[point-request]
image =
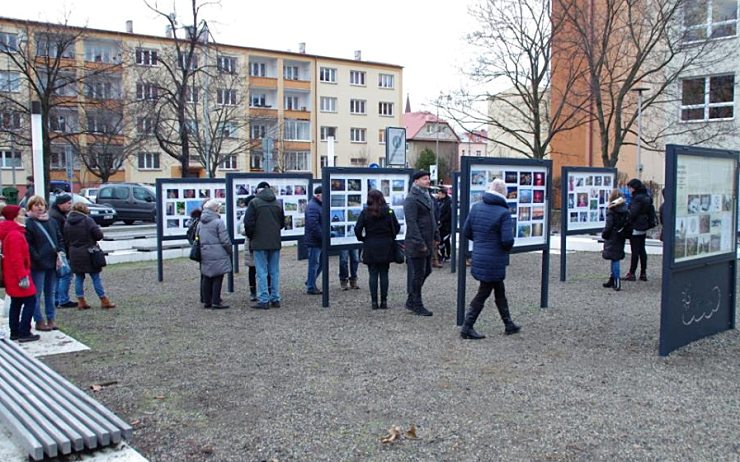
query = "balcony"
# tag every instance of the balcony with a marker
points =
(300, 114)
(263, 82)
(297, 85)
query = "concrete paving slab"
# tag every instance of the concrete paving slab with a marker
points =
(51, 343)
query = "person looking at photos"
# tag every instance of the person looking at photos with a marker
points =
(313, 239)
(639, 222)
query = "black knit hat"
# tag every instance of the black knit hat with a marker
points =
(318, 190)
(420, 173)
(263, 185)
(634, 183)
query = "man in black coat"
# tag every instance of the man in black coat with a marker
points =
(58, 212)
(421, 233)
(444, 204)
(640, 207)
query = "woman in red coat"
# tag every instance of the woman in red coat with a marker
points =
(17, 273)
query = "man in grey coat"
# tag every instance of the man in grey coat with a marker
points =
(421, 232)
(215, 251)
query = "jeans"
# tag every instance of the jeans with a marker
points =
(418, 271)
(21, 312)
(97, 284)
(637, 246)
(615, 269)
(378, 271)
(314, 267)
(349, 260)
(46, 285)
(267, 263)
(62, 292)
(212, 289)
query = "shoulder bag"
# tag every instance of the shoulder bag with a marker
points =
(63, 267)
(195, 247)
(399, 251)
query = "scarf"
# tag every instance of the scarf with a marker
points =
(423, 194)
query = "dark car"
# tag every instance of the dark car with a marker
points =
(103, 215)
(132, 201)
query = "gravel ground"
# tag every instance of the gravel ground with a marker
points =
(581, 382)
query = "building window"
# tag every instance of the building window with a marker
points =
(385, 109)
(297, 160)
(358, 162)
(146, 57)
(258, 100)
(227, 64)
(326, 132)
(328, 104)
(10, 120)
(102, 122)
(8, 41)
(101, 89)
(148, 161)
(10, 159)
(55, 46)
(191, 94)
(146, 91)
(229, 163)
(256, 159)
(291, 103)
(381, 161)
(145, 125)
(185, 57)
(708, 98)
(10, 81)
(357, 78)
(257, 131)
(226, 97)
(290, 72)
(257, 69)
(328, 74)
(357, 135)
(101, 53)
(357, 106)
(385, 80)
(297, 130)
(226, 130)
(710, 19)
(381, 136)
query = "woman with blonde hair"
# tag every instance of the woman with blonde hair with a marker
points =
(615, 232)
(81, 233)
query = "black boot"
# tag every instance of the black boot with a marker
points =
(617, 284)
(609, 283)
(467, 332)
(503, 309)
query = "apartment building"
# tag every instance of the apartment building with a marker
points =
(252, 102)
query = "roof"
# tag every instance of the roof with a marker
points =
(415, 121)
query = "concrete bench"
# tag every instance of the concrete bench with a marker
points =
(46, 414)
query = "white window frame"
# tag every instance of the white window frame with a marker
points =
(8, 157)
(227, 129)
(257, 131)
(11, 120)
(229, 162)
(146, 57)
(8, 41)
(358, 135)
(10, 81)
(707, 105)
(145, 125)
(708, 27)
(226, 97)
(43, 46)
(297, 130)
(193, 61)
(101, 53)
(258, 69)
(292, 103)
(227, 64)
(256, 160)
(146, 91)
(297, 160)
(326, 131)
(357, 78)
(191, 94)
(148, 161)
(386, 81)
(258, 100)
(381, 136)
(358, 106)
(328, 104)
(291, 72)
(385, 109)
(327, 74)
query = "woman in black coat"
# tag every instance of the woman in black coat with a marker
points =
(81, 233)
(639, 210)
(614, 234)
(380, 227)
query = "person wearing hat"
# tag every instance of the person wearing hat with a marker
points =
(17, 273)
(58, 212)
(313, 239)
(263, 223)
(640, 223)
(421, 232)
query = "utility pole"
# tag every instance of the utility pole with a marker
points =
(206, 112)
(639, 91)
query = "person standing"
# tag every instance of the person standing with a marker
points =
(445, 221)
(81, 233)
(489, 227)
(615, 230)
(58, 212)
(349, 261)
(639, 222)
(215, 251)
(44, 242)
(313, 240)
(263, 222)
(421, 232)
(377, 227)
(17, 273)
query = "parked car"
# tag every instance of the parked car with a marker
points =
(103, 215)
(60, 185)
(132, 201)
(90, 193)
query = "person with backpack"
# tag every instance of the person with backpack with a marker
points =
(615, 233)
(642, 218)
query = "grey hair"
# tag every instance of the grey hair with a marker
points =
(212, 204)
(497, 185)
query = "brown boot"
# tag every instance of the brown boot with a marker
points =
(43, 326)
(82, 304)
(106, 304)
(353, 283)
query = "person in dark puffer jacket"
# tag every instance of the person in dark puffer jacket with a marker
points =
(617, 217)
(489, 226)
(640, 223)
(313, 240)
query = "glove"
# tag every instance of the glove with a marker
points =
(24, 283)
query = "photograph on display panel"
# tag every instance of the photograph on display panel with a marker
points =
(705, 207)
(180, 199)
(348, 197)
(526, 194)
(588, 192)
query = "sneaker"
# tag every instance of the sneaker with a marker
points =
(275, 304)
(261, 306)
(313, 292)
(68, 304)
(219, 307)
(423, 312)
(30, 338)
(629, 277)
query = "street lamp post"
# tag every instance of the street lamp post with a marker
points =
(639, 91)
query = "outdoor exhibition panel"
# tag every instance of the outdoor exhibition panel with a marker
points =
(344, 195)
(699, 256)
(584, 197)
(176, 199)
(528, 196)
(455, 221)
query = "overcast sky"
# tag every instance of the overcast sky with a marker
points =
(425, 37)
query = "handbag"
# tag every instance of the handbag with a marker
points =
(195, 246)
(97, 257)
(399, 252)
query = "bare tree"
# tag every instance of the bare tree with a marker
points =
(514, 47)
(631, 44)
(42, 63)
